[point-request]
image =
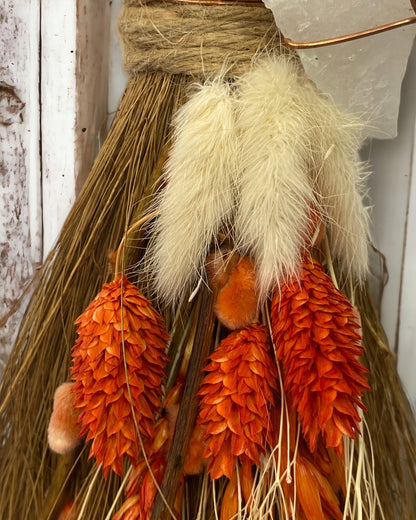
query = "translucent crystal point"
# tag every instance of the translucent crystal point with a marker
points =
(362, 76)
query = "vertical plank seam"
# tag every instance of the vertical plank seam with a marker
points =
(403, 261)
(42, 226)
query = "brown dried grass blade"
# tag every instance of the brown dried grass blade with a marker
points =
(390, 419)
(71, 276)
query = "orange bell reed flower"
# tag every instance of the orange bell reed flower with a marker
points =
(141, 489)
(119, 312)
(317, 480)
(236, 395)
(316, 335)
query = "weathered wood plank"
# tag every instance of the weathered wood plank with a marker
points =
(93, 47)
(74, 62)
(54, 68)
(20, 211)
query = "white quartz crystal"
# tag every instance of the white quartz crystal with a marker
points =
(363, 76)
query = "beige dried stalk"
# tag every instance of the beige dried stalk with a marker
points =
(69, 279)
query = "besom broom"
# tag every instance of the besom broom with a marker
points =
(247, 183)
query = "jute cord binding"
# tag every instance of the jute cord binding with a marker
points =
(195, 40)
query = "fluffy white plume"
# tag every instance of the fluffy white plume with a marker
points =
(199, 194)
(338, 177)
(276, 195)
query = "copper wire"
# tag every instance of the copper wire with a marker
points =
(350, 37)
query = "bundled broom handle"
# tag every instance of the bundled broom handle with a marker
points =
(193, 39)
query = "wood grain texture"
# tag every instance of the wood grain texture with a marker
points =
(53, 105)
(74, 62)
(92, 77)
(20, 221)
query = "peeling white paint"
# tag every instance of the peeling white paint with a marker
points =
(20, 223)
(58, 98)
(54, 69)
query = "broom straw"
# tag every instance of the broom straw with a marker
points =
(117, 193)
(71, 276)
(389, 417)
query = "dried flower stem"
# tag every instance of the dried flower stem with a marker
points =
(188, 408)
(132, 228)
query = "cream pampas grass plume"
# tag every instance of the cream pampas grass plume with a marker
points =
(198, 196)
(299, 165)
(273, 218)
(339, 179)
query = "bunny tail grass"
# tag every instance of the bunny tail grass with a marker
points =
(339, 180)
(73, 273)
(276, 197)
(199, 196)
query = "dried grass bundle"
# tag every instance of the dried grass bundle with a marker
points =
(34, 483)
(389, 418)
(71, 276)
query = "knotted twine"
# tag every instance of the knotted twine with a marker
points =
(195, 40)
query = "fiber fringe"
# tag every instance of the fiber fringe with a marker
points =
(276, 195)
(299, 157)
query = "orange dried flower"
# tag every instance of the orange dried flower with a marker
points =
(316, 336)
(141, 489)
(317, 480)
(99, 373)
(234, 278)
(235, 398)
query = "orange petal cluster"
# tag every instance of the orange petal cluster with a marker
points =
(118, 313)
(317, 479)
(235, 399)
(316, 497)
(316, 336)
(141, 488)
(233, 276)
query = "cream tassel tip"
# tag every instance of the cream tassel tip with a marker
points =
(274, 213)
(339, 179)
(199, 194)
(298, 159)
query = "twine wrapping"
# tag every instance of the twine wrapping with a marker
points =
(195, 40)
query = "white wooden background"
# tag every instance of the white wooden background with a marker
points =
(61, 77)
(53, 104)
